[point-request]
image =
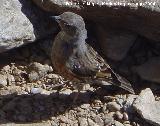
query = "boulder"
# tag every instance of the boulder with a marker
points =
(21, 23)
(138, 15)
(147, 107)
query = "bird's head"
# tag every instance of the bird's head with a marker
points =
(70, 22)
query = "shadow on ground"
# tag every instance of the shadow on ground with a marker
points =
(36, 108)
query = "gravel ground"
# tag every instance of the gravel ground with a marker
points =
(33, 94)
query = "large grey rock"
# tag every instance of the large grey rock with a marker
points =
(138, 15)
(114, 43)
(21, 23)
(15, 27)
(147, 107)
(149, 70)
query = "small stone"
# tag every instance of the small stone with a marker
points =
(116, 123)
(65, 92)
(125, 116)
(3, 80)
(97, 119)
(33, 76)
(113, 106)
(85, 106)
(45, 92)
(37, 71)
(10, 79)
(36, 90)
(119, 115)
(6, 68)
(64, 119)
(127, 125)
(108, 119)
(127, 106)
(51, 76)
(82, 121)
(91, 122)
(108, 98)
(86, 87)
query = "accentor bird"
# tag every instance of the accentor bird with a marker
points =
(77, 61)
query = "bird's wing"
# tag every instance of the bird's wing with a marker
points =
(105, 72)
(88, 64)
(92, 65)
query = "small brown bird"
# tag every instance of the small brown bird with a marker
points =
(77, 61)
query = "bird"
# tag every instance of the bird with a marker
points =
(76, 60)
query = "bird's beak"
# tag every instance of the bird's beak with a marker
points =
(56, 18)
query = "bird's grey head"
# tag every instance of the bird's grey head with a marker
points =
(71, 22)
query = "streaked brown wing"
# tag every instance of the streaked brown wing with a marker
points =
(87, 64)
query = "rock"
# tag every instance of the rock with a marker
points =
(64, 93)
(51, 76)
(85, 106)
(115, 44)
(113, 106)
(10, 79)
(13, 34)
(33, 76)
(113, 13)
(108, 120)
(37, 71)
(116, 123)
(127, 106)
(119, 115)
(91, 122)
(125, 116)
(3, 80)
(147, 107)
(152, 72)
(98, 120)
(21, 23)
(36, 90)
(82, 121)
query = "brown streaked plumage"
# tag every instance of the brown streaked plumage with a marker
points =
(74, 59)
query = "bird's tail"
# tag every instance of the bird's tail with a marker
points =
(124, 83)
(126, 86)
(114, 79)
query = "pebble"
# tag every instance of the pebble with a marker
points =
(51, 76)
(36, 90)
(91, 122)
(127, 106)
(3, 80)
(119, 115)
(108, 119)
(65, 92)
(85, 106)
(10, 79)
(64, 119)
(127, 125)
(86, 87)
(82, 121)
(33, 76)
(108, 98)
(116, 123)
(125, 116)
(113, 106)
(98, 120)
(6, 69)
